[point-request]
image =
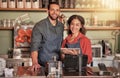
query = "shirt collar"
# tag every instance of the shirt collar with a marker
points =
(51, 23)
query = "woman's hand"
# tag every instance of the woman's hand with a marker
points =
(74, 52)
(69, 51)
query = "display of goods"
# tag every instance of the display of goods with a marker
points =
(22, 36)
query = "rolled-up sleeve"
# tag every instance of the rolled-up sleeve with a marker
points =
(86, 48)
(36, 39)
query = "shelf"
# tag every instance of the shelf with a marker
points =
(87, 27)
(22, 9)
(100, 28)
(64, 10)
(89, 10)
(6, 28)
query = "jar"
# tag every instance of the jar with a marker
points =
(12, 4)
(20, 4)
(10, 53)
(35, 4)
(5, 22)
(28, 4)
(16, 53)
(4, 4)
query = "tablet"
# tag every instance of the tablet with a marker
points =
(77, 50)
(74, 63)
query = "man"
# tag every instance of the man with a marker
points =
(47, 36)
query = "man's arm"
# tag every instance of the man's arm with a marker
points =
(34, 56)
(35, 64)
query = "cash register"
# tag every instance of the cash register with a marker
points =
(75, 65)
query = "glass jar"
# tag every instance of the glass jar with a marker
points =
(20, 4)
(55, 69)
(16, 53)
(35, 4)
(4, 4)
(12, 4)
(28, 4)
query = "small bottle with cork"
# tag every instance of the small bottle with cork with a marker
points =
(54, 68)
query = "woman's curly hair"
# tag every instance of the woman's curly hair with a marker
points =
(81, 19)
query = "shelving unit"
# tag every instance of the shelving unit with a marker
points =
(67, 10)
(6, 28)
(88, 28)
(63, 10)
(102, 28)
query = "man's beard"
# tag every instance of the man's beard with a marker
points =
(53, 18)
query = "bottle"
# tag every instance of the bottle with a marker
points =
(17, 53)
(15, 67)
(52, 65)
(94, 20)
(60, 70)
(40, 3)
(60, 2)
(54, 68)
(10, 53)
(72, 4)
(66, 4)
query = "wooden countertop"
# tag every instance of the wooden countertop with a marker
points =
(69, 77)
(24, 72)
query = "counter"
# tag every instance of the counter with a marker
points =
(23, 72)
(67, 77)
(92, 72)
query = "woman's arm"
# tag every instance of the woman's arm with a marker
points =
(86, 48)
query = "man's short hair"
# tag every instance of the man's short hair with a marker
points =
(50, 3)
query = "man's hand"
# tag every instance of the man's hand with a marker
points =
(35, 67)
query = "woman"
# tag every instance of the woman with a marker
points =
(76, 38)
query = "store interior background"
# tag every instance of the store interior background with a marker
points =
(95, 35)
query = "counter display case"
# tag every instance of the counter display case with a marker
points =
(91, 7)
(22, 36)
(22, 39)
(23, 71)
